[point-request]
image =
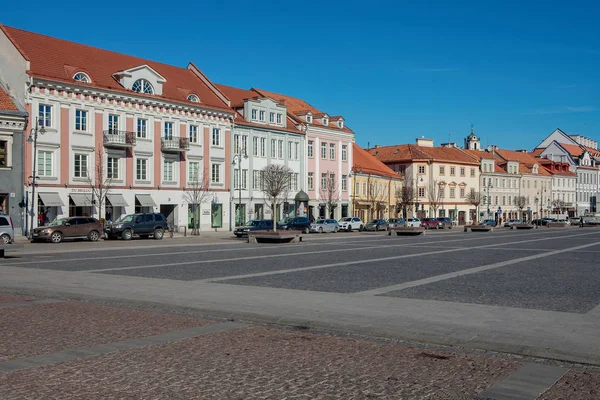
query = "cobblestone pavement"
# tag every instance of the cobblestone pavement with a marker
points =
(48, 328)
(253, 362)
(9, 298)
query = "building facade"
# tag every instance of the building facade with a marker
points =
(13, 122)
(437, 180)
(143, 130)
(375, 187)
(263, 134)
(328, 156)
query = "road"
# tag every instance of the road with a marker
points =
(534, 292)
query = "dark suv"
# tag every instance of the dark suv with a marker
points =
(142, 225)
(254, 225)
(297, 223)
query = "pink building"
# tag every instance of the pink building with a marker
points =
(328, 156)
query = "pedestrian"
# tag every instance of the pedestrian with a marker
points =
(312, 218)
(40, 219)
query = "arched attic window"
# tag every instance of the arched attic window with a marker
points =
(82, 77)
(142, 86)
(194, 98)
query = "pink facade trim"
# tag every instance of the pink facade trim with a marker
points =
(129, 155)
(157, 152)
(65, 148)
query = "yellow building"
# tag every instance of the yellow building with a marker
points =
(374, 187)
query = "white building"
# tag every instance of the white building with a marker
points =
(153, 129)
(263, 134)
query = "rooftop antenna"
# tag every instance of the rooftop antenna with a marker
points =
(368, 145)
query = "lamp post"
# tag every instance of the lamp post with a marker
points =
(237, 160)
(489, 199)
(33, 136)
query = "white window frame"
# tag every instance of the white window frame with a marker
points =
(255, 146)
(271, 117)
(323, 151)
(110, 169)
(332, 151)
(215, 173)
(311, 149)
(279, 118)
(344, 152)
(263, 147)
(81, 120)
(168, 171)
(344, 183)
(193, 133)
(83, 165)
(141, 169)
(253, 114)
(45, 115)
(216, 137)
(168, 128)
(280, 149)
(261, 115)
(194, 166)
(141, 128)
(311, 181)
(273, 148)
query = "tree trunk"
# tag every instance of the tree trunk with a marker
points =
(274, 210)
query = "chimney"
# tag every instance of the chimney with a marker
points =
(423, 142)
(449, 145)
(376, 146)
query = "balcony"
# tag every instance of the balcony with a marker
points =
(174, 144)
(119, 139)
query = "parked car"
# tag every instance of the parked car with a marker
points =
(489, 222)
(351, 223)
(543, 221)
(396, 222)
(565, 221)
(325, 225)
(413, 222)
(7, 229)
(512, 222)
(296, 223)
(143, 225)
(376, 225)
(68, 228)
(254, 225)
(444, 222)
(430, 223)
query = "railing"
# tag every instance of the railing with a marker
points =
(119, 138)
(175, 143)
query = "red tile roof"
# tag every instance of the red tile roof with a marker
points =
(56, 59)
(573, 149)
(525, 160)
(236, 95)
(412, 152)
(369, 164)
(299, 107)
(6, 103)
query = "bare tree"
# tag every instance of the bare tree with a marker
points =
(406, 197)
(195, 194)
(434, 196)
(375, 197)
(330, 193)
(521, 202)
(275, 186)
(558, 204)
(475, 199)
(101, 181)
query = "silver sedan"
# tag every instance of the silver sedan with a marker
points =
(325, 225)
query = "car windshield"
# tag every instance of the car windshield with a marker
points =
(374, 221)
(320, 221)
(285, 221)
(252, 223)
(346, 219)
(127, 218)
(58, 222)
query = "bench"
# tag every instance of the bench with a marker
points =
(479, 228)
(406, 231)
(9, 247)
(275, 237)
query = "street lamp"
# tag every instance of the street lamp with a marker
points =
(33, 136)
(237, 160)
(489, 199)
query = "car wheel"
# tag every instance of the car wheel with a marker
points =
(306, 230)
(349, 229)
(360, 228)
(321, 230)
(127, 234)
(5, 239)
(335, 230)
(56, 237)
(158, 234)
(93, 236)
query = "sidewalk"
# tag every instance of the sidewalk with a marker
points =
(52, 348)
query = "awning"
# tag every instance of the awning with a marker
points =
(51, 199)
(117, 200)
(81, 199)
(145, 200)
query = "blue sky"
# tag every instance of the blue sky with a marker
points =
(395, 70)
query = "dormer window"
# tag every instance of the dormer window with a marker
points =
(340, 124)
(82, 77)
(142, 86)
(309, 119)
(325, 121)
(193, 98)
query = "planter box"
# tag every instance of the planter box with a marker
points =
(275, 237)
(557, 225)
(522, 226)
(406, 231)
(478, 228)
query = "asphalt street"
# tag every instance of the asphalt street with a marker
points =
(549, 277)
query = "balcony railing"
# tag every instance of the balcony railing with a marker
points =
(175, 144)
(122, 139)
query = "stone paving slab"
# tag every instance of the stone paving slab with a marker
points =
(576, 384)
(264, 363)
(49, 328)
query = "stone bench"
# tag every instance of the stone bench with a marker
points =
(275, 237)
(9, 247)
(478, 228)
(558, 225)
(406, 231)
(522, 226)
